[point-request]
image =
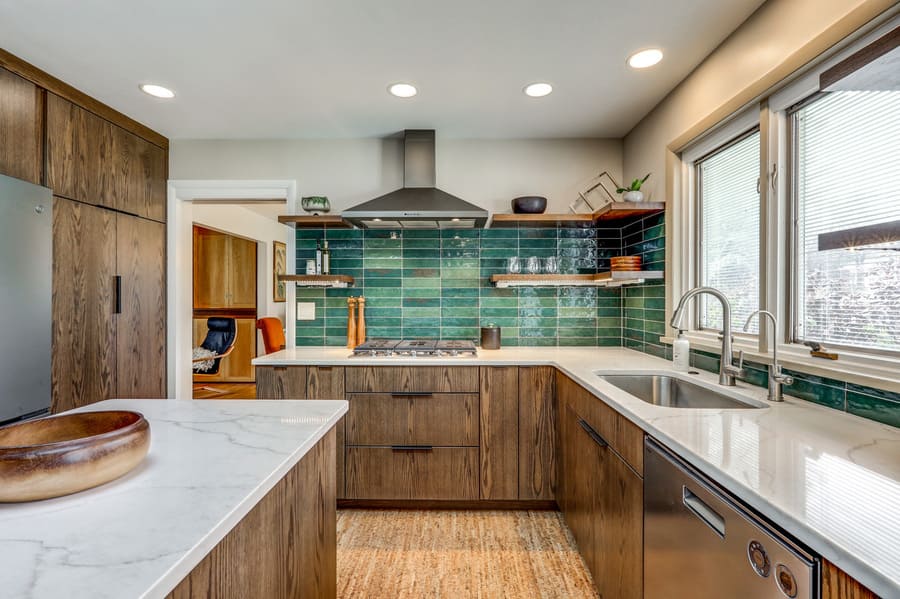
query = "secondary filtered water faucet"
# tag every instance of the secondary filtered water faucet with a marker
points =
(776, 378)
(727, 370)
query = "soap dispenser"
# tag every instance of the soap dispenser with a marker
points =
(681, 352)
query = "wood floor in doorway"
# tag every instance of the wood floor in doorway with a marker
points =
(458, 554)
(224, 390)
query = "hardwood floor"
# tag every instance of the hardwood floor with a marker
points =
(225, 390)
(458, 554)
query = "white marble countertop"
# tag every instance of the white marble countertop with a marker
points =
(209, 463)
(830, 478)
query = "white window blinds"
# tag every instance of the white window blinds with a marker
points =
(729, 231)
(847, 175)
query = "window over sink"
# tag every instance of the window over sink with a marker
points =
(846, 181)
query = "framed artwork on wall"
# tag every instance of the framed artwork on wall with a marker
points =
(279, 267)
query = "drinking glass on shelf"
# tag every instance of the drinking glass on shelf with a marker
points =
(551, 265)
(513, 265)
(533, 266)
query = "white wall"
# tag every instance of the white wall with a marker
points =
(753, 56)
(242, 222)
(488, 173)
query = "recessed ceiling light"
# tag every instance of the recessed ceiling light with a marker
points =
(403, 90)
(157, 91)
(645, 58)
(538, 90)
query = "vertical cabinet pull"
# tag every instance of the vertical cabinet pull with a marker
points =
(592, 433)
(118, 292)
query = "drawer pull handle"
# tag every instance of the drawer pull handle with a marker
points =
(592, 433)
(411, 448)
(412, 394)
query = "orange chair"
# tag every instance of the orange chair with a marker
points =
(272, 332)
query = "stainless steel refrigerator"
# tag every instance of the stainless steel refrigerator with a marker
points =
(26, 261)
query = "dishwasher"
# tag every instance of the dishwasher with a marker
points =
(701, 543)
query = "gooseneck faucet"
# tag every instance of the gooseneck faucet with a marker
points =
(776, 378)
(727, 370)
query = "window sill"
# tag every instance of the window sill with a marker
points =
(879, 372)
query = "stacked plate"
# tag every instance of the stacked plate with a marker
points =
(625, 263)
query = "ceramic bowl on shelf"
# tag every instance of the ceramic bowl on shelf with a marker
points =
(315, 204)
(529, 205)
(51, 457)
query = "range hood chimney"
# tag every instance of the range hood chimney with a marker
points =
(418, 204)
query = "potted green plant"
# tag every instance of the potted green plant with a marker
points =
(633, 192)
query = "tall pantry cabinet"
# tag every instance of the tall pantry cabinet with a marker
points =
(108, 176)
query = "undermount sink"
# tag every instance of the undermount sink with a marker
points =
(673, 392)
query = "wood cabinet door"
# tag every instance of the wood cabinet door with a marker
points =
(210, 269)
(84, 324)
(237, 366)
(499, 416)
(141, 323)
(537, 433)
(618, 529)
(78, 153)
(241, 273)
(20, 121)
(138, 175)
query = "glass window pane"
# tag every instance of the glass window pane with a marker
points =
(729, 232)
(848, 176)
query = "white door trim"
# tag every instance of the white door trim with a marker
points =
(179, 262)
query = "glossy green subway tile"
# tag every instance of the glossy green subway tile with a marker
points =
(547, 332)
(501, 321)
(577, 341)
(537, 341)
(420, 332)
(875, 408)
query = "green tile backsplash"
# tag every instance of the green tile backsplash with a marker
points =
(436, 284)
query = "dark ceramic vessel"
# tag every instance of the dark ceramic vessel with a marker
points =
(529, 205)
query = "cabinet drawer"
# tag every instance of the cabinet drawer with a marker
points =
(394, 379)
(448, 419)
(281, 382)
(622, 435)
(449, 473)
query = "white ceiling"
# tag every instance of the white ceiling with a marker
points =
(320, 69)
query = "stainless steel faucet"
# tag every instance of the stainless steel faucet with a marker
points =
(727, 370)
(776, 378)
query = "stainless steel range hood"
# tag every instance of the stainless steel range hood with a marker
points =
(418, 204)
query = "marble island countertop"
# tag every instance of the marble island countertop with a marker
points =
(209, 464)
(829, 478)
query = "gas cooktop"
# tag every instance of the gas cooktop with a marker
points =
(412, 348)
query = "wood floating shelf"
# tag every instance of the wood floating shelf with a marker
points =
(602, 279)
(304, 221)
(318, 280)
(613, 212)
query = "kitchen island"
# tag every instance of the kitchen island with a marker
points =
(824, 476)
(235, 498)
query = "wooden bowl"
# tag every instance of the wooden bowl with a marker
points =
(50, 457)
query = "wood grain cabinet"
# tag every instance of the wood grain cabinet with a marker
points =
(224, 271)
(601, 495)
(109, 334)
(108, 174)
(20, 127)
(92, 160)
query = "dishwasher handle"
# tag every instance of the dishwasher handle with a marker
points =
(705, 513)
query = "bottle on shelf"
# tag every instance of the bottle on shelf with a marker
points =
(318, 257)
(326, 260)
